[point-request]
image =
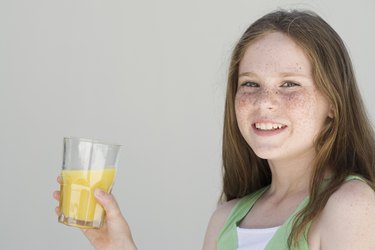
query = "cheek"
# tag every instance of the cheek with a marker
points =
(307, 110)
(297, 102)
(243, 105)
(244, 102)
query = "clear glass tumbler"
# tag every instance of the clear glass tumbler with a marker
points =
(87, 165)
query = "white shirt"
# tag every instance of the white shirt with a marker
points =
(254, 239)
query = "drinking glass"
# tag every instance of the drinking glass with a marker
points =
(87, 164)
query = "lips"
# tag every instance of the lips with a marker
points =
(266, 126)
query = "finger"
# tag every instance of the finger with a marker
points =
(58, 179)
(57, 210)
(109, 204)
(56, 195)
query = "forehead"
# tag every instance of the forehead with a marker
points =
(274, 52)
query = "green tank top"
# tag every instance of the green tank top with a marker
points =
(227, 239)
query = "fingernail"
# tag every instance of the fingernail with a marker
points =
(99, 193)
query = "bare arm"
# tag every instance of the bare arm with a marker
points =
(216, 223)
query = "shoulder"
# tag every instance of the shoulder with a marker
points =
(217, 222)
(348, 219)
(354, 197)
(222, 212)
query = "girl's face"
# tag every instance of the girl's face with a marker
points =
(278, 107)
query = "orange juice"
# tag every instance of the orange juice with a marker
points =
(78, 206)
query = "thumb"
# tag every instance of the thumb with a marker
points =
(108, 202)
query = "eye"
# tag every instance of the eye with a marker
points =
(290, 84)
(250, 84)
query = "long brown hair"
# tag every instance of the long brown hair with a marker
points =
(346, 144)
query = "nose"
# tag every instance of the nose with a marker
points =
(267, 99)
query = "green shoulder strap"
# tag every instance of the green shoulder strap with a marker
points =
(228, 235)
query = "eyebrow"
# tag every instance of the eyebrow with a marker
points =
(247, 74)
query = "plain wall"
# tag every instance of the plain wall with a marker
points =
(149, 75)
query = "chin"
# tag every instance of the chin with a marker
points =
(265, 155)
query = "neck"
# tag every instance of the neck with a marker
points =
(291, 176)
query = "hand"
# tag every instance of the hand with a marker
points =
(115, 232)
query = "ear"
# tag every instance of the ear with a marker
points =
(331, 112)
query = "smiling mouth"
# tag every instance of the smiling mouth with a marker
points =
(269, 126)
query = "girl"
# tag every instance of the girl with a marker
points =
(298, 148)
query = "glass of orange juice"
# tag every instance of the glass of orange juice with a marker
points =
(87, 164)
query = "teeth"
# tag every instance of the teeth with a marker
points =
(268, 126)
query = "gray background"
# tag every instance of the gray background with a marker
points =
(146, 74)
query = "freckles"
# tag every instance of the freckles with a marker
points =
(302, 106)
(299, 103)
(241, 105)
(298, 67)
(243, 100)
(297, 99)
